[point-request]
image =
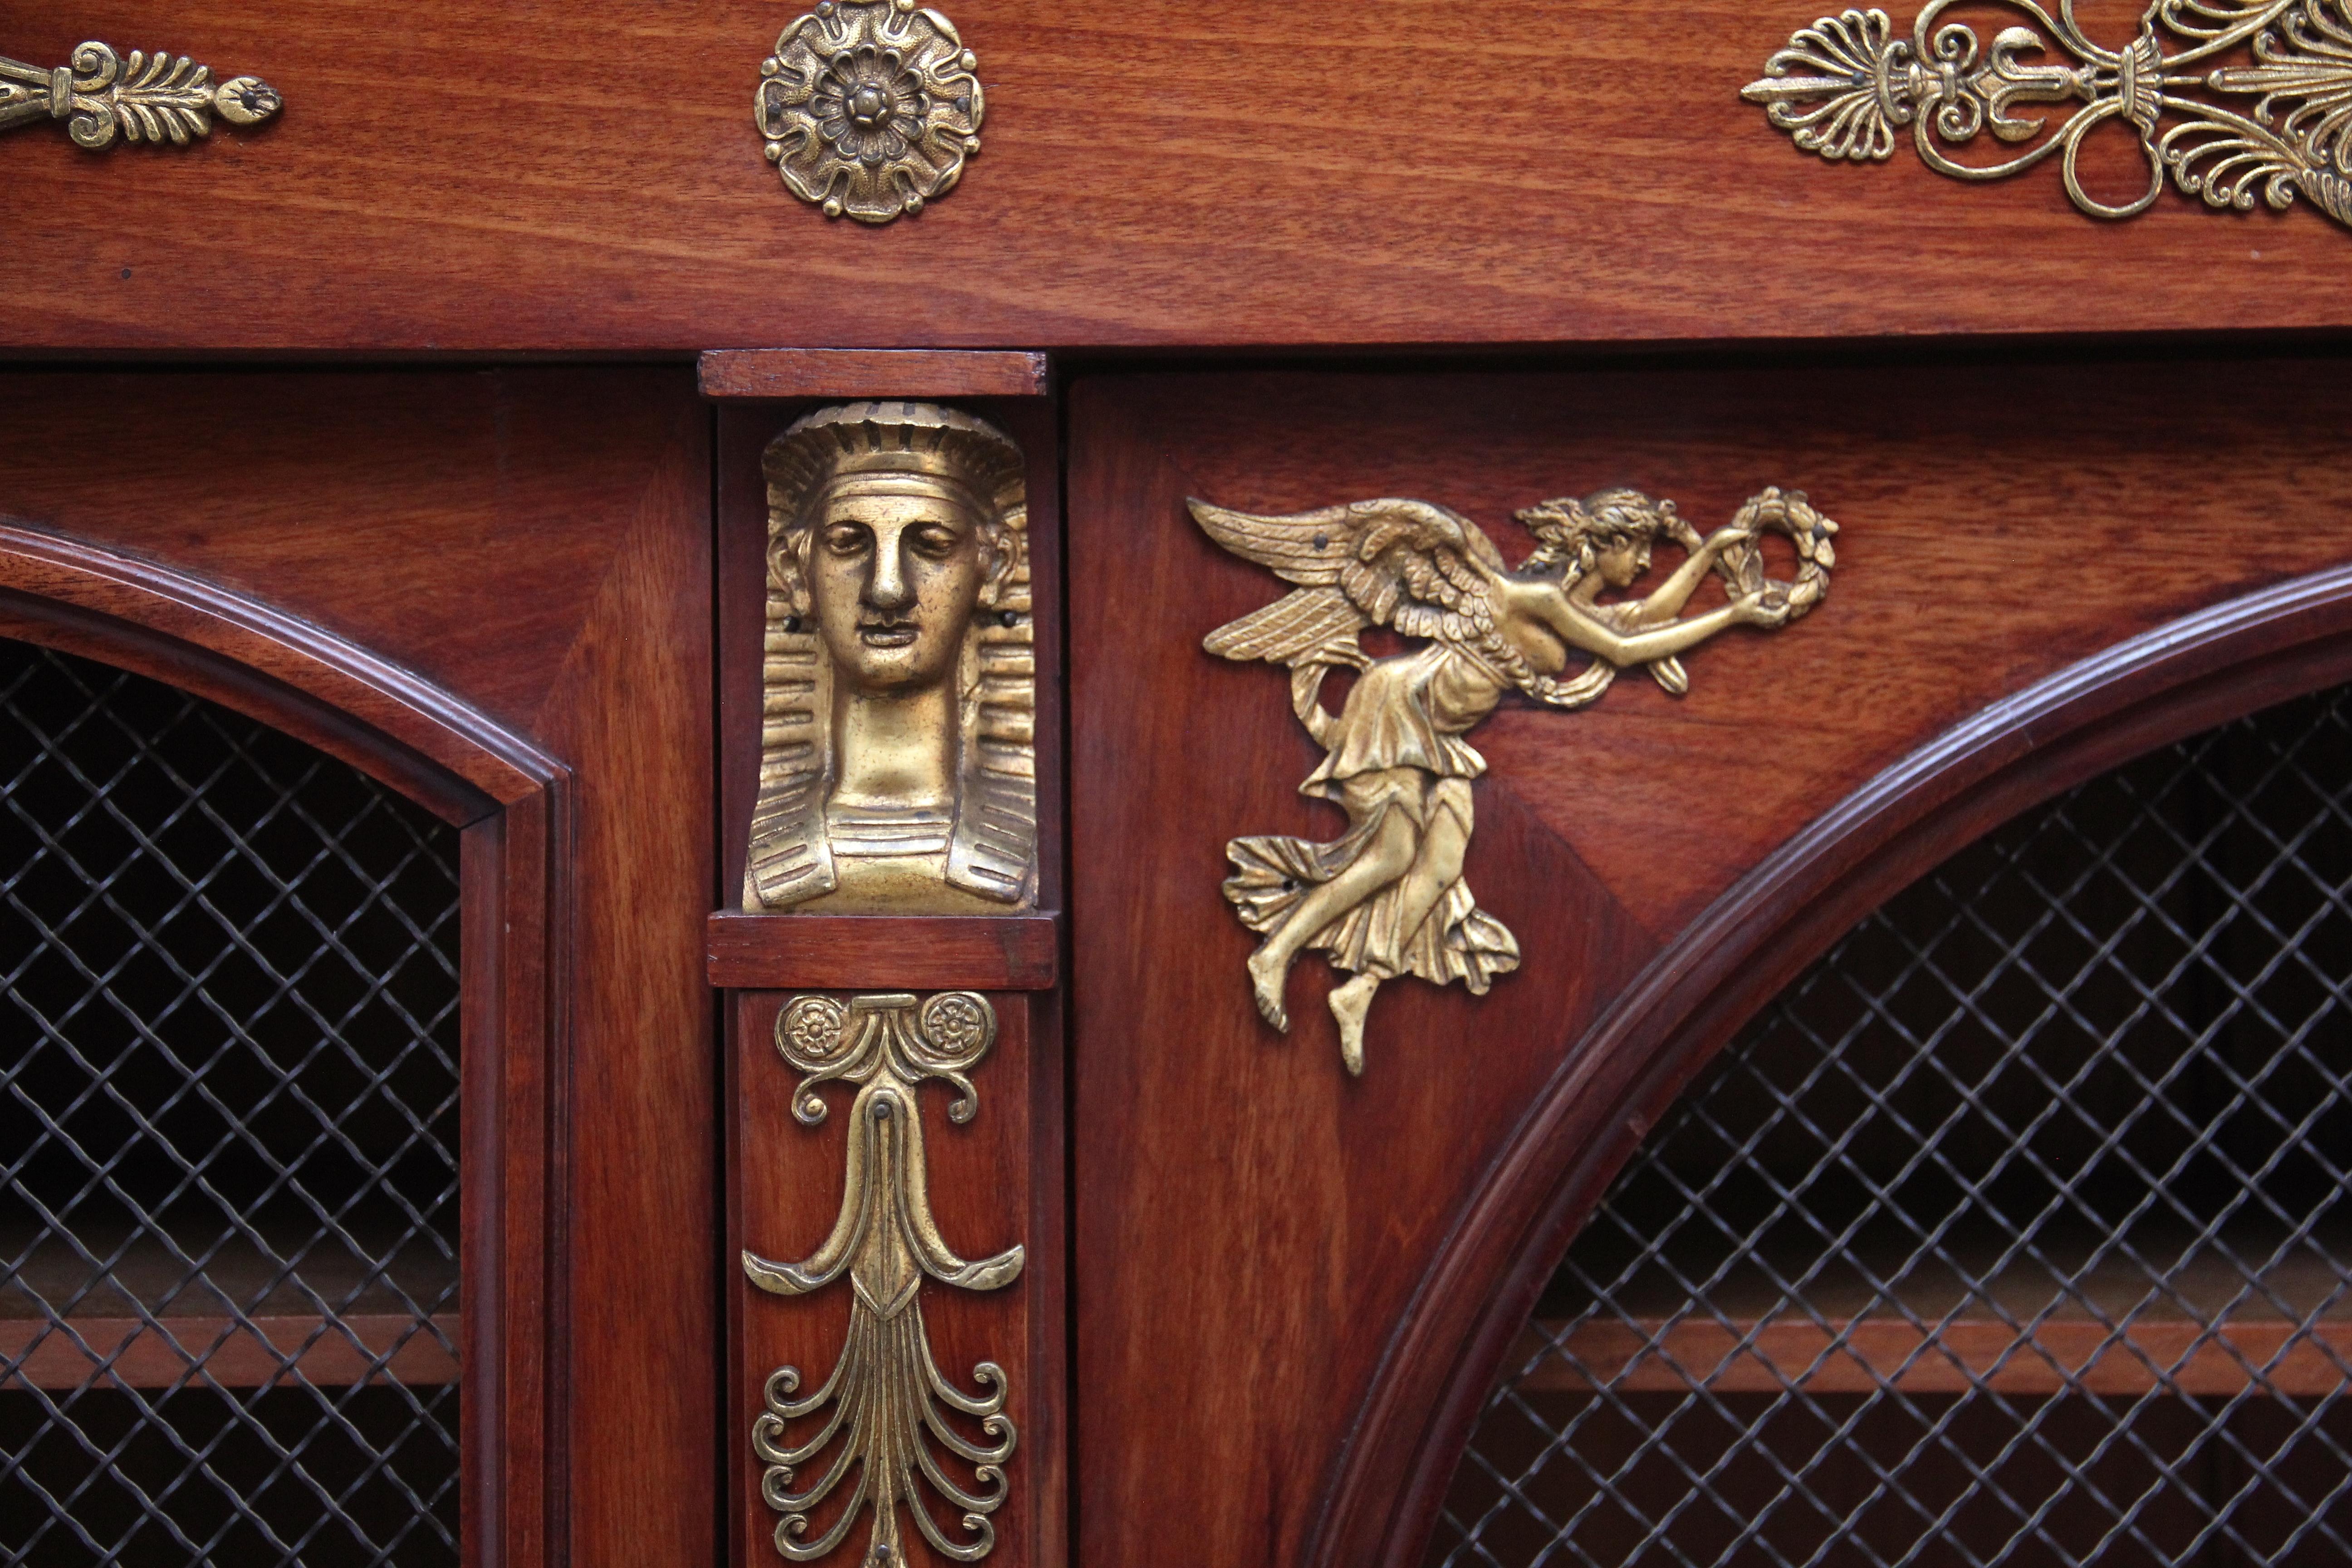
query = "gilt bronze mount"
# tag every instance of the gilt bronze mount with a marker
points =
(869, 108)
(898, 771)
(1847, 85)
(1387, 897)
(887, 1396)
(150, 98)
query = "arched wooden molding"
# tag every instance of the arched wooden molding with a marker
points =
(1613, 1084)
(285, 671)
(511, 801)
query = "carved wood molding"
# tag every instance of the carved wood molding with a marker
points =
(249, 656)
(514, 804)
(1611, 1085)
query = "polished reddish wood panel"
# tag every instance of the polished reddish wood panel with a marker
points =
(380, 718)
(994, 1182)
(513, 934)
(902, 952)
(536, 544)
(461, 524)
(1328, 171)
(870, 372)
(1251, 1226)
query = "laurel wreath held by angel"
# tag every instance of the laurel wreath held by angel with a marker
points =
(1387, 897)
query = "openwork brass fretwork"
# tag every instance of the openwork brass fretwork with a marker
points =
(1388, 898)
(886, 1392)
(1845, 86)
(870, 108)
(897, 759)
(149, 98)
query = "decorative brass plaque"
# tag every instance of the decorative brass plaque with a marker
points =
(1388, 898)
(1846, 85)
(153, 98)
(886, 1391)
(897, 767)
(869, 108)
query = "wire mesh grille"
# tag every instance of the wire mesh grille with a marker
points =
(228, 1120)
(2015, 1231)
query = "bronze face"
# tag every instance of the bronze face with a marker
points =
(896, 567)
(897, 767)
(1620, 562)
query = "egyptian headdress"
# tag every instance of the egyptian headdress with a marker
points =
(990, 838)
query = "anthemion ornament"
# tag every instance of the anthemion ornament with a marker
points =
(1847, 85)
(869, 108)
(1387, 897)
(152, 99)
(888, 1399)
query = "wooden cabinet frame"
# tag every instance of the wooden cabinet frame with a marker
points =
(491, 591)
(509, 800)
(1316, 1279)
(599, 1222)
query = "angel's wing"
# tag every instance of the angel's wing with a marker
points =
(1308, 625)
(1404, 563)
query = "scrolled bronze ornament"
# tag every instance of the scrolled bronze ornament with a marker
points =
(150, 98)
(869, 108)
(1846, 87)
(888, 1398)
(898, 762)
(1387, 897)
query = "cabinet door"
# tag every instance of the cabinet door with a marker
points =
(1295, 1282)
(361, 1164)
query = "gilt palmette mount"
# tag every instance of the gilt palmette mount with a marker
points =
(150, 98)
(1389, 897)
(883, 1415)
(2272, 131)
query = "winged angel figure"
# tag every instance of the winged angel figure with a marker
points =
(1387, 897)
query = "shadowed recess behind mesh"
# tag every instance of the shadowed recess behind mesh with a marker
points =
(228, 1139)
(2015, 1231)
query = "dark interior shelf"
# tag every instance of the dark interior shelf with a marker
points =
(2079, 1313)
(245, 1322)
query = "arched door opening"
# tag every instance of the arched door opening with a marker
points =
(2013, 1231)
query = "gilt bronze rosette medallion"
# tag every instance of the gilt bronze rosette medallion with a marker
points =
(869, 108)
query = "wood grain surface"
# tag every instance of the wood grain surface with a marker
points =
(728, 373)
(901, 952)
(1353, 172)
(537, 546)
(510, 797)
(257, 659)
(1253, 1226)
(514, 926)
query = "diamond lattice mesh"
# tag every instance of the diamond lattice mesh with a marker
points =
(2014, 1232)
(228, 1139)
